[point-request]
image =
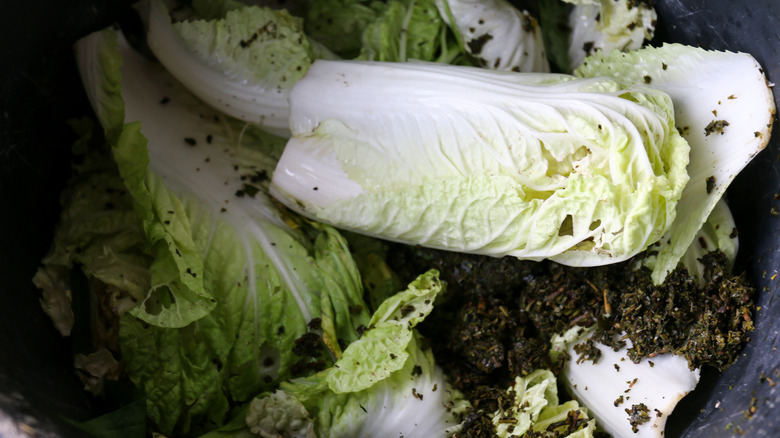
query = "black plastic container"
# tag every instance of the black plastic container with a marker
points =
(40, 90)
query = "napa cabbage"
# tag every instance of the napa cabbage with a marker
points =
(724, 109)
(581, 171)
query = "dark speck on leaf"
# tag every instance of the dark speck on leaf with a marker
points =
(248, 42)
(259, 177)
(308, 345)
(476, 45)
(528, 23)
(165, 100)
(588, 351)
(190, 141)
(250, 190)
(710, 184)
(638, 415)
(587, 47)
(715, 127)
(315, 324)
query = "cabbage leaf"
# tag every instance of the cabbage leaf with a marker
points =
(723, 107)
(384, 382)
(234, 282)
(534, 407)
(243, 64)
(654, 385)
(407, 30)
(595, 26)
(535, 166)
(498, 35)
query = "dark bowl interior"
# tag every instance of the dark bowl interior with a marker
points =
(40, 91)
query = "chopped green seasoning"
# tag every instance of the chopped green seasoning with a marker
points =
(716, 127)
(507, 309)
(638, 415)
